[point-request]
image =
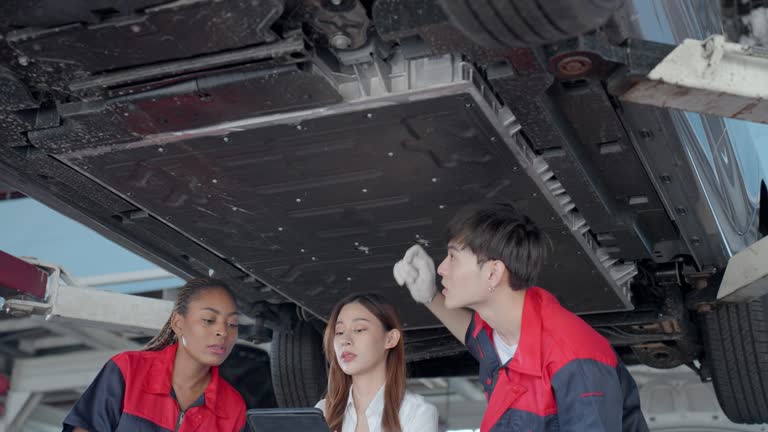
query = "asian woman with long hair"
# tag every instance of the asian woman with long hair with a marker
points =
(364, 346)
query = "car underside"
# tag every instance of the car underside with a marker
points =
(296, 148)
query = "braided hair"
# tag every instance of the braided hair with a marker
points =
(187, 293)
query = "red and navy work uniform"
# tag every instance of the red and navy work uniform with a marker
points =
(564, 376)
(133, 393)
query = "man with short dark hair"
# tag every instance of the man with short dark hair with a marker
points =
(542, 367)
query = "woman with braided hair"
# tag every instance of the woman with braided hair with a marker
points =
(174, 383)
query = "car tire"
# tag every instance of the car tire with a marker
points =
(298, 366)
(737, 346)
(522, 23)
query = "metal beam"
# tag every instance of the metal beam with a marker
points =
(110, 310)
(58, 372)
(458, 414)
(709, 77)
(19, 324)
(746, 276)
(91, 307)
(19, 406)
(127, 277)
(11, 352)
(467, 388)
(46, 418)
(32, 346)
(68, 302)
(94, 337)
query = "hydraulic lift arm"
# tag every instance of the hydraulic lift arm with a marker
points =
(709, 77)
(32, 287)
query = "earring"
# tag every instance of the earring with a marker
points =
(183, 341)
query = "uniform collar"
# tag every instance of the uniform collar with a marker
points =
(528, 357)
(529, 361)
(159, 380)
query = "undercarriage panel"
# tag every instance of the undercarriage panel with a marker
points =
(319, 203)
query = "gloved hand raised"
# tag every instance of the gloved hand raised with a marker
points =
(417, 271)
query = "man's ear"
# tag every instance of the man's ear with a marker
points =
(393, 338)
(497, 276)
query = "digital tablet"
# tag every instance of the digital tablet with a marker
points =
(287, 419)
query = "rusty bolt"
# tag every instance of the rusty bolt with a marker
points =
(574, 66)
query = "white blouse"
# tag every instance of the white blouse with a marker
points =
(416, 414)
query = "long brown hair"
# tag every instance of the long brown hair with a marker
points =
(187, 293)
(339, 383)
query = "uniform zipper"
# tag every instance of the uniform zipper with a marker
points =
(181, 418)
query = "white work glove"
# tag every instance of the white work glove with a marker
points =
(417, 271)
